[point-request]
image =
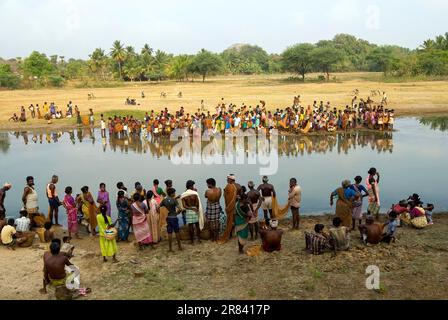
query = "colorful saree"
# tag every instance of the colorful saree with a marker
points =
(72, 213)
(344, 208)
(241, 225)
(140, 224)
(89, 210)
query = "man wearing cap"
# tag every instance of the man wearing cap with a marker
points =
(272, 238)
(193, 210)
(6, 187)
(267, 192)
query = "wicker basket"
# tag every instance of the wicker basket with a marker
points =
(111, 234)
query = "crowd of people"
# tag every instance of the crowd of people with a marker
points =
(47, 112)
(318, 117)
(297, 118)
(148, 213)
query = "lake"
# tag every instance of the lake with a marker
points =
(413, 159)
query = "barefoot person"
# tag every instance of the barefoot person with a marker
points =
(140, 222)
(9, 235)
(72, 212)
(371, 232)
(256, 202)
(339, 239)
(89, 209)
(171, 204)
(242, 217)
(372, 182)
(31, 204)
(108, 245)
(53, 200)
(267, 193)
(103, 198)
(344, 204)
(213, 211)
(294, 201)
(124, 220)
(231, 192)
(272, 238)
(193, 207)
(357, 203)
(6, 187)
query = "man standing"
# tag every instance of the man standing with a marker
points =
(231, 191)
(267, 192)
(213, 210)
(256, 202)
(272, 239)
(53, 200)
(171, 204)
(193, 210)
(31, 205)
(294, 200)
(7, 186)
(103, 127)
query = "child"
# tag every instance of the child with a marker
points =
(428, 213)
(48, 234)
(392, 225)
(67, 248)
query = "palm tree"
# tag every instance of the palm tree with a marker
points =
(146, 50)
(118, 53)
(98, 61)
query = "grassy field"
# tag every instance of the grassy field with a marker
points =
(407, 98)
(412, 268)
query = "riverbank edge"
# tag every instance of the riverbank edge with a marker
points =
(20, 127)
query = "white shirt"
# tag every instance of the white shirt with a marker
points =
(237, 121)
(103, 125)
(22, 224)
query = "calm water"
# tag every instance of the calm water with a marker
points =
(411, 160)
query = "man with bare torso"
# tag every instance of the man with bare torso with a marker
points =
(53, 200)
(214, 210)
(255, 200)
(54, 266)
(272, 238)
(191, 206)
(267, 193)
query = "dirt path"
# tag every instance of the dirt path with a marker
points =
(415, 267)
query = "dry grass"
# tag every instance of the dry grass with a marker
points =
(407, 98)
(412, 268)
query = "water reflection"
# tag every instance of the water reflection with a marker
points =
(436, 123)
(4, 142)
(290, 146)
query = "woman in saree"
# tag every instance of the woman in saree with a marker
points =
(108, 246)
(103, 198)
(344, 205)
(140, 222)
(158, 192)
(124, 224)
(72, 213)
(89, 209)
(242, 215)
(373, 190)
(153, 216)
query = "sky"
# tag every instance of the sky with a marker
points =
(74, 28)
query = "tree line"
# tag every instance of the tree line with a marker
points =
(343, 53)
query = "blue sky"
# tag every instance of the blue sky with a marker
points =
(74, 28)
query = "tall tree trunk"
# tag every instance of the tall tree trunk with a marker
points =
(203, 77)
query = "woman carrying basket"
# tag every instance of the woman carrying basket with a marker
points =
(108, 233)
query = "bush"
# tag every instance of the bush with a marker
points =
(9, 80)
(55, 81)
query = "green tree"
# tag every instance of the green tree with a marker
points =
(298, 59)
(37, 65)
(7, 78)
(386, 58)
(178, 67)
(326, 58)
(98, 63)
(118, 54)
(205, 63)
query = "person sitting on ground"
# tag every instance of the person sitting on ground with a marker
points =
(392, 225)
(48, 234)
(67, 248)
(371, 232)
(272, 239)
(55, 273)
(417, 214)
(14, 118)
(400, 209)
(9, 235)
(339, 236)
(317, 242)
(25, 237)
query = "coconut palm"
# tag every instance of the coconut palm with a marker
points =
(118, 53)
(98, 62)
